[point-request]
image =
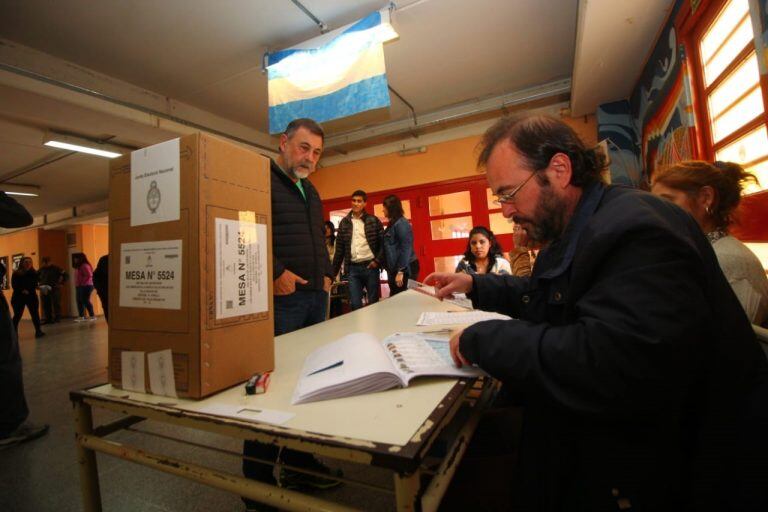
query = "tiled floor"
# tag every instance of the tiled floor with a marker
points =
(43, 476)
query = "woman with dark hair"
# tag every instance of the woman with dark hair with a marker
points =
(711, 193)
(401, 262)
(484, 254)
(83, 286)
(330, 238)
(24, 283)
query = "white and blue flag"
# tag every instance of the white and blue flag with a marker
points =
(335, 75)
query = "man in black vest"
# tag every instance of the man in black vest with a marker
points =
(302, 278)
(641, 381)
(358, 245)
(14, 428)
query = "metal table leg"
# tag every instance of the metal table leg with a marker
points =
(86, 458)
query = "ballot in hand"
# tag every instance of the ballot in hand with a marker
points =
(448, 283)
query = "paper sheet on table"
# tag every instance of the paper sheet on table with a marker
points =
(458, 299)
(247, 413)
(161, 380)
(132, 369)
(458, 317)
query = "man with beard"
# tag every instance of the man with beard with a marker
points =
(639, 375)
(302, 277)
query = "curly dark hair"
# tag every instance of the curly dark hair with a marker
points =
(727, 179)
(394, 207)
(495, 247)
(538, 138)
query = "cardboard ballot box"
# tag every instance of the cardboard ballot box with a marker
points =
(190, 267)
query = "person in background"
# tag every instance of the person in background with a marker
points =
(401, 262)
(101, 283)
(14, 427)
(51, 279)
(359, 247)
(330, 238)
(484, 254)
(711, 193)
(641, 381)
(302, 280)
(83, 286)
(520, 257)
(24, 284)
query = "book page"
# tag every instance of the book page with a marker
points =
(417, 354)
(350, 365)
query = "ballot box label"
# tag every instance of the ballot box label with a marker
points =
(150, 275)
(242, 283)
(155, 184)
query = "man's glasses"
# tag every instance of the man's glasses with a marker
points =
(509, 197)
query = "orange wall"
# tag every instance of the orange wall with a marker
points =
(23, 242)
(442, 161)
(93, 240)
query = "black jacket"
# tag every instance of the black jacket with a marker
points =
(633, 360)
(373, 235)
(298, 238)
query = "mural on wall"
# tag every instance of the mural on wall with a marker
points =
(16, 261)
(661, 104)
(614, 124)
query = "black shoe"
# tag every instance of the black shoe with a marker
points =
(290, 479)
(39, 334)
(23, 433)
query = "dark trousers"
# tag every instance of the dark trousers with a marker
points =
(411, 273)
(52, 304)
(13, 404)
(104, 298)
(292, 312)
(19, 301)
(361, 277)
(83, 296)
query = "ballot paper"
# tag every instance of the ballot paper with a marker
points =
(161, 380)
(132, 370)
(247, 412)
(458, 317)
(458, 299)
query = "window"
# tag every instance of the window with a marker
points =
(729, 83)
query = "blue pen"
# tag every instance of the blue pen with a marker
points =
(334, 365)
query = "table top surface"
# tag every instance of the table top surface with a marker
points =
(395, 417)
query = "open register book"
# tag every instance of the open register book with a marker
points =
(359, 363)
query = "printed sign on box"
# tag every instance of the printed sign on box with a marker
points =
(242, 284)
(155, 184)
(150, 275)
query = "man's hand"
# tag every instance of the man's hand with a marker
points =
(327, 283)
(455, 354)
(446, 284)
(399, 278)
(286, 283)
(373, 264)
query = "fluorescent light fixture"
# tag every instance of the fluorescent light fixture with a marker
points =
(20, 190)
(82, 145)
(27, 194)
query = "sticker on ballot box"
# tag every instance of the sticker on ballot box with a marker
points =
(150, 275)
(242, 285)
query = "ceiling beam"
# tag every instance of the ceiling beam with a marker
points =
(452, 114)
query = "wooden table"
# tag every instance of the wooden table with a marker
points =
(393, 430)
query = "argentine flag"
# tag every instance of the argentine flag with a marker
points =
(335, 75)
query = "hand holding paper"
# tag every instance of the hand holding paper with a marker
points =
(446, 283)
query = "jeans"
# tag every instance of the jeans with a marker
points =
(83, 296)
(19, 301)
(292, 312)
(52, 305)
(361, 277)
(411, 273)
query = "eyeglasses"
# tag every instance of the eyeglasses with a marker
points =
(509, 197)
